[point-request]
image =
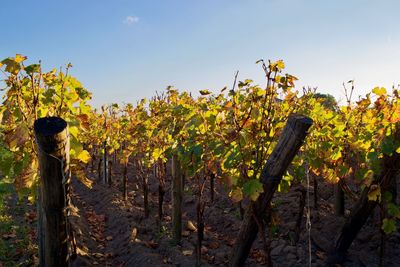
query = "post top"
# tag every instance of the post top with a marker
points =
(49, 126)
(301, 118)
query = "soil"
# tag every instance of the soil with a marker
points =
(113, 232)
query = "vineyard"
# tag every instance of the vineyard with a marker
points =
(249, 176)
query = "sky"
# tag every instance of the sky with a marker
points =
(124, 50)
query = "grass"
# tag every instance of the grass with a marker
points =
(16, 245)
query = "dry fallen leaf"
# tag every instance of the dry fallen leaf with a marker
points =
(230, 242)
(81, 252)
(213, 245)
(187, 252)
(321, 255)
(8, 236)
(109, 255)
(209, 258)
(134, 233)
(151, 244)
(98, 255)
(204, 250)
(190, 226)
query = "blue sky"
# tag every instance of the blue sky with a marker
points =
(126, 50)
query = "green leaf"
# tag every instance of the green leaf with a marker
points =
(393, 210)
(75, 147)
(31, 69)
(388, 146)
(253, 189)
(388, 226)
(204, 92)
(12, 66)
(6, 161)
(83, 93)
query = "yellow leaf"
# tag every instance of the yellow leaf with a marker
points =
(157, 153)
(236, 195)
(374, 193)
(255, 196)
(27, 177)
(19, 58)
(74, 131)
(228, 104)
(18, 137)
(31, 198)
(276, 66)
(280, 64)
(84, 156)
(124, 160)
(379, 91)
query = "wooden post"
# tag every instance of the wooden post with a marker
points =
(339, 199)
(176, 200)
(99, 168)
(287, 147)
(110, 172)
(105, 162)
(125, 181)
(315, 183)
(302, 203)
(93, 160)
(212, 185)
(159, 172)
(53, 152)
(364, 207)
(145, 181)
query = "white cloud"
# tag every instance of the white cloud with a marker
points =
(129, 20)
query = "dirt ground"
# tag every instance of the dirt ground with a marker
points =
(113, 232)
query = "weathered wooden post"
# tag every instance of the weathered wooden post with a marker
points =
(289, 143)
(105, 163)
(339, 198)
(99, 168)
(159, 172)
(53, 152)
(110, 163)
(390, 165)
(176, 200)
(125, 181)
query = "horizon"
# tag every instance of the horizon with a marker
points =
(125, 51)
